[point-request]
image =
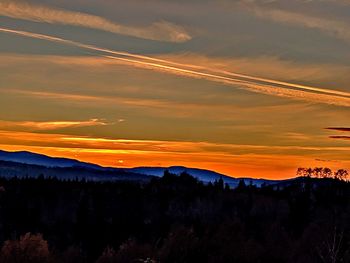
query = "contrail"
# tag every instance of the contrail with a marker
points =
(259, 85)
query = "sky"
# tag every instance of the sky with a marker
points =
(248, 88)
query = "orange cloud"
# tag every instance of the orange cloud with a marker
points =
(259, 85)
(232, 159)
(270, 67)
(51, 125)
(158, 107)
(341, 129)
(345, 129)
(340, 137)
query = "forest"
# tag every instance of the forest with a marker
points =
(175, 219)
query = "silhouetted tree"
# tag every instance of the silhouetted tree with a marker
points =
(317, 172)
(341, 174)
(330, 248)
(174, 219)
(180, 247)
(327, 172)
(73, 254)
(108, 256)
(219, 183)
(241, 185)
(300, 171)
(28, 249)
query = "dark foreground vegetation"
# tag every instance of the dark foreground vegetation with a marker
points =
(173, 219)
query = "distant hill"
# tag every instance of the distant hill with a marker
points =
(40, 159)
(20, 170)
(205, 176)
(27, 163)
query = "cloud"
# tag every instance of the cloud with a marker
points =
(159, 146)
(235, 159)
(157, 107)
(340, 137)
(255, 84)
(345, 129)
(333, 27)
(51, 125)
(341, 129)
(160, 31)
(272, 67)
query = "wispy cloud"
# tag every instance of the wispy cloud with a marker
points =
(271, 67)
(158, 107)
(340, 137)
(332, 26)
(161, 31)
(160, 146)
(259, 85)
(341, 129)
(51, 125)
(345, 129)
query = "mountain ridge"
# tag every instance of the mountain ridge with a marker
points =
(53, 164)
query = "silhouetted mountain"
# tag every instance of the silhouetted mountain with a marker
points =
(27, 163)
(21, 170)
(40, 159)
(203, 175)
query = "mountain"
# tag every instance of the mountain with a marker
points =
(27, 163)
(40, 159)
(203, 175)
(11, 169)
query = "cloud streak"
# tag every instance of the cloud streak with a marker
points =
(259, 85)
(333, 27)
(160, 31)
(155, 146)
(341, 129)
(340, 137)
(157, 107)
(51, 125)
(345, 129)
(272, 67)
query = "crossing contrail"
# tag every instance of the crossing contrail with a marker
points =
(251, 83)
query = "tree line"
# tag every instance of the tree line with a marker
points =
(323, 172)
(173, 219)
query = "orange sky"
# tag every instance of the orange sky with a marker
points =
(213, 156)
(247, 89)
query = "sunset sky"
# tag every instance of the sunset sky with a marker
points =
(244, 87)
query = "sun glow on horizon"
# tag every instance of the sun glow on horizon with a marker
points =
(107, 85)
(204, 155)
